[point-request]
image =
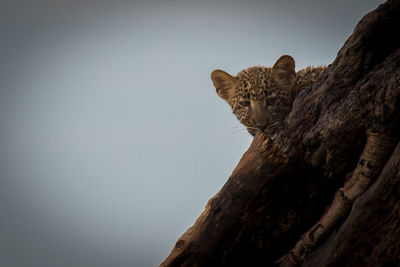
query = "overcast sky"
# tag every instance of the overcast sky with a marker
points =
(112, 136)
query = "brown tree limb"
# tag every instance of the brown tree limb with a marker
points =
(370, 235)
(283, 184)
(377, 151)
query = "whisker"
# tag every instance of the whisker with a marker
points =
(238, 131)
(238, 127)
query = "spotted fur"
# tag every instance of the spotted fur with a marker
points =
(261, 97)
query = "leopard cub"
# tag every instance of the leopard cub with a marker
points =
(261, 97)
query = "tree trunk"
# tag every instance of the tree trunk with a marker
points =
(282, 185)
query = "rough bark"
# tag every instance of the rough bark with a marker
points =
(283, 184)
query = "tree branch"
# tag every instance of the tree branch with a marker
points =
(283, 184)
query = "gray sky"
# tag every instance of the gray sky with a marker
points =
(113, 138)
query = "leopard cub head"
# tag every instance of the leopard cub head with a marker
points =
(260, 97)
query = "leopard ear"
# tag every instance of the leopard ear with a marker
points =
(224, 83)
(283, 72)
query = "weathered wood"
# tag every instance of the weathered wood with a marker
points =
(282, 184)
(224, 214)
(370, 235)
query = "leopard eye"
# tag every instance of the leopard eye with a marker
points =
(244, 103)
(271, 101)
